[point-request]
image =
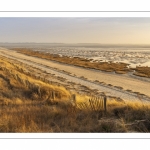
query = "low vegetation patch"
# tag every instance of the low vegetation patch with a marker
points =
(142, 71)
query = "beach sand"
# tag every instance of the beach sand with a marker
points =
(125, 81)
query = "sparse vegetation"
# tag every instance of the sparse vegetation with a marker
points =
(31, 104)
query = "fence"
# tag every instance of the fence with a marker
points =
(95, 104)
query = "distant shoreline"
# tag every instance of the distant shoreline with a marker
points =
(96, 45)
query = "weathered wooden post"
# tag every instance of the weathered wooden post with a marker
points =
(53, 95)
(73, 104)
(39, 91)
(105, 103)
(74, 98)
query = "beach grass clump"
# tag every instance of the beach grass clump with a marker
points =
(142, 71)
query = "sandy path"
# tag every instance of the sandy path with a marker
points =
(117, 80)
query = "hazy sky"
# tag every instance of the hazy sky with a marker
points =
(76, 30)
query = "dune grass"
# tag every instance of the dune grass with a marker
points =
(27, 105)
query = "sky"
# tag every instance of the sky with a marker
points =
(103, 30)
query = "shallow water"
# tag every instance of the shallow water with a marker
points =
(133, 57)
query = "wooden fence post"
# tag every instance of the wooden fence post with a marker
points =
(39, 91)
(105, 103)
(74, 98)
(53, 95)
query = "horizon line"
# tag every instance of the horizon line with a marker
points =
(74, 43)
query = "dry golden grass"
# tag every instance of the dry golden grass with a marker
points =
(142, 71)
(16, 78)
(27, 105)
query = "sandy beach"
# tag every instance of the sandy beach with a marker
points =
(109, 83)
